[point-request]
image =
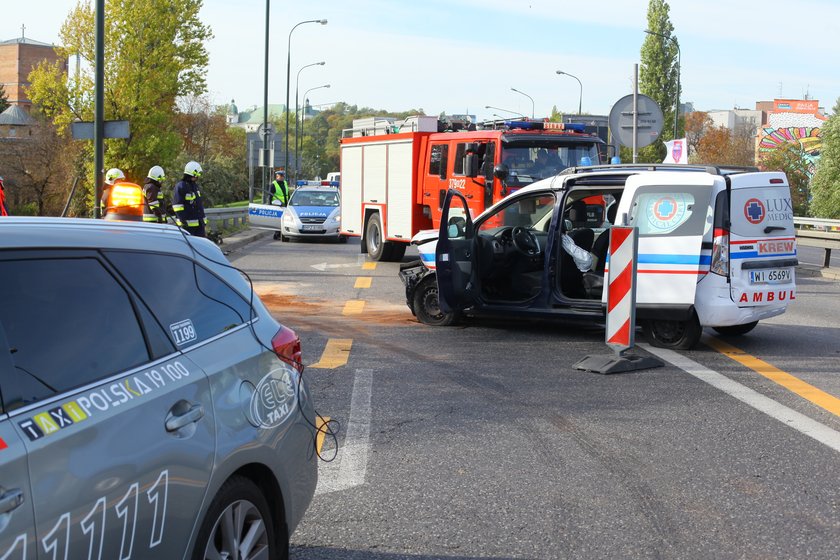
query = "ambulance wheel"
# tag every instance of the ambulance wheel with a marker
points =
(676, 335)
(277, 235)
(736, 330)
(374, 239)
(426, 306)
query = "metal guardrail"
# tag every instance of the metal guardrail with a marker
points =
(816, 232)
(223, 218)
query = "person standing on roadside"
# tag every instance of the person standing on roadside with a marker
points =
(154, 211)
(279, 188)
(187, 203)
(3, 210)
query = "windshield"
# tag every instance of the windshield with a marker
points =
(315, 198)
(527, 164)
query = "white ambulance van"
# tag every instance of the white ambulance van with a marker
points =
(717, 249)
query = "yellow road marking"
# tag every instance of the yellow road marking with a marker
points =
(353, 307)
(774, 374)
(363, 282)
(335, 353)
(321, 422)
(369, 266)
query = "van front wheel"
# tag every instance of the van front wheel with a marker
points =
(736, 330)
(676, 335)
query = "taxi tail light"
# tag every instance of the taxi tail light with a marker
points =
(720, 252)
(286, 344)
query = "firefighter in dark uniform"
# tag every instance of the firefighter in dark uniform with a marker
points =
(112, 177)
(154, 210)
(279, 188)
(187, 203)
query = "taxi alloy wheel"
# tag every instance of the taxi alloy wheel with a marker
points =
(426, 305)
(239, 526)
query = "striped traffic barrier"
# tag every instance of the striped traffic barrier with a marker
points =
(621, 308)
(621, 288)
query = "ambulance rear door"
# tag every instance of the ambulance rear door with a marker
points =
(762, 239)
(673, 213)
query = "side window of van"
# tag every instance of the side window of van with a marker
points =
(682, 210)
(438, 160)
(191, 303)
(68, 323)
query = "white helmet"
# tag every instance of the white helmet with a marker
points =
(156, 173)
(193, 168)
(113, 175)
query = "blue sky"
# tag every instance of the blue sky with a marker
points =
(461, 55)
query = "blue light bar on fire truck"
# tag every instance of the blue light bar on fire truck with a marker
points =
(535, 125)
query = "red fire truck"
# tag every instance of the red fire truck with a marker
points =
(394, 176)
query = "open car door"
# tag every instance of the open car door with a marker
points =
(454, 254)
(670, 209)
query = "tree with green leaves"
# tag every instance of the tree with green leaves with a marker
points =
(825, 185)
(4, 99)
(658, 72)
(154, 54)
(793, 160)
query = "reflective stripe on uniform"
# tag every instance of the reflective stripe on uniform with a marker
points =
(192, 223)
(179, 223)
(178, 207)
(154, 203)
(189, 196)
(150, 218)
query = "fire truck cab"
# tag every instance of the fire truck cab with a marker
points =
(395, 176)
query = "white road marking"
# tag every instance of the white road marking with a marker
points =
(768, 406)
(349, 467)
(324, 266)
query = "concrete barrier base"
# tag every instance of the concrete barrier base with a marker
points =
(615, 363)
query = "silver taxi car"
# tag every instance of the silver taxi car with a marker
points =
(150, 406)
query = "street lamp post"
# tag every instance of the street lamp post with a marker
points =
(288, 79)
(677, 93)
(303, 120)
(505, 110)
(580, 99)
(528, 96)
(297, 119)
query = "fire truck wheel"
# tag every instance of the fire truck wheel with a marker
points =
(374, 239)
(736, 330)
(676, 335)
(426, 306)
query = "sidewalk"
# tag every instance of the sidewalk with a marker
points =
(812, 271)
(241, 239)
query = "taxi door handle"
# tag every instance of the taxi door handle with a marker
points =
(176, 422)
(11, 500)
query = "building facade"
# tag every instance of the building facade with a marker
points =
(18, 57)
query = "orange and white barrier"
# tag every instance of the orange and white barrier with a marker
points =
(621, 290)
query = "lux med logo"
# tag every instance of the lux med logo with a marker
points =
(754, 211)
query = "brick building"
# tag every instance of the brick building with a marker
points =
(17, 59)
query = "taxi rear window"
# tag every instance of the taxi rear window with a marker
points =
(664, 210)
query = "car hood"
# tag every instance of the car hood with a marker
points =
(314, 211)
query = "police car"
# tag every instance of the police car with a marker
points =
(716, 249)
(313, 212)
(150, 406)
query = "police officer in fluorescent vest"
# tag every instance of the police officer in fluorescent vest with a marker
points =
(187, 203)
(153, 204)
(279, 188)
